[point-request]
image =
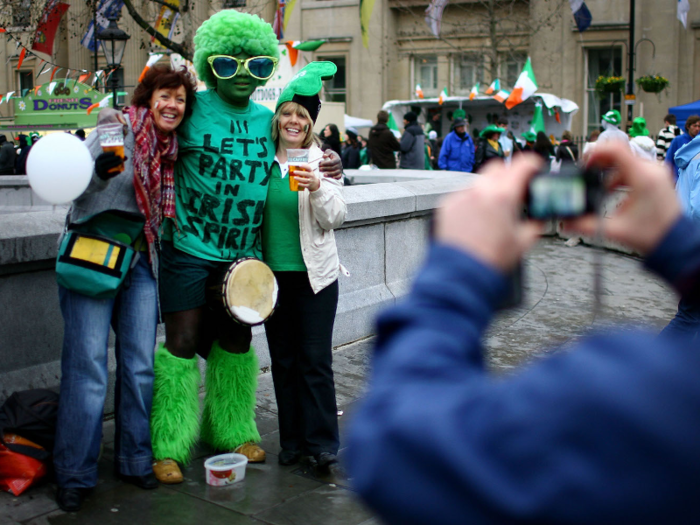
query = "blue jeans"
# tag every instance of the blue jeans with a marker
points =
(133, 315)
(687, 320)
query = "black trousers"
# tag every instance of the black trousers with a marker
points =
(299, 335)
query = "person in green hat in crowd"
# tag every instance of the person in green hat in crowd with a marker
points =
(530, 138)
(640, 142)
(488, 148)
(299, 246)
(221, 179)
(611, 126)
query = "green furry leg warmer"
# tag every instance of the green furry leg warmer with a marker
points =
(229, 404)
(175, 412)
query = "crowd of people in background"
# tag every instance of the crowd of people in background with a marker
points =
(13, 157)
(422, 146)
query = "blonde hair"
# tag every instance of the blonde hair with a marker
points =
(301, 111)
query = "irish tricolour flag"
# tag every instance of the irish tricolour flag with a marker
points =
(494, 87)
(502, 95)
(525, 87)
(442, 97)
(474, 92)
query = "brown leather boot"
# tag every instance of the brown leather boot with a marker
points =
(252, 451)
(167, 471)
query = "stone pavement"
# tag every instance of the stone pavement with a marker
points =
(557, 309)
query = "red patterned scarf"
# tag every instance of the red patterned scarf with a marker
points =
(154, 161)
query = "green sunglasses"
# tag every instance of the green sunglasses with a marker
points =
(225, 67)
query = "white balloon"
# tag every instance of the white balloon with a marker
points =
(59, 168)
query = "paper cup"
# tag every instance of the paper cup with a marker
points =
(225, 469)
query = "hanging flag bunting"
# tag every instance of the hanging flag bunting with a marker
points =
(293, 53)
(152, 60)
(24, 92)
(98, 75)
(582, 16)
(165, 23)
(278, 22)
(106, 10)
(9, 96)
(433, 16)
(366, 7)
(52, 86)
(288, 13)
(525, 87)
(501, 96)
(557, 115)
(443, 96)
(54, 71)
(308, 45)
(682, 13)
(294, 46)
(45, 69)
(282, 15)
(48, 24)
(494, 87)
(83, 78)
(101, 104)
(21, 57)
(419, 91)
(537, 123)
(474, 92)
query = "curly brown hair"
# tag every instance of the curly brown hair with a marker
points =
(163, 77)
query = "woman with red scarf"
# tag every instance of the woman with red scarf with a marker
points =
(138, 189)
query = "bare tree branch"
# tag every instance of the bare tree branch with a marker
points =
(166, 4)
(174, 46)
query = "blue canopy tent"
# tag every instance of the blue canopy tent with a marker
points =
(683, 112)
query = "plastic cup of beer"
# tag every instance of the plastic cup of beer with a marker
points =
(295, 158)
(112, 139)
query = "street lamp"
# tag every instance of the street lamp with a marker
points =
(113, 41)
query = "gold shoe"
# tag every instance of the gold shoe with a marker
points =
(252, 451)
(167, 471)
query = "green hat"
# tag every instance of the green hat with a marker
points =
(639, 128)
(459, 113)
(529, 136)
(491, 128)
(613, 117)
(306, 85)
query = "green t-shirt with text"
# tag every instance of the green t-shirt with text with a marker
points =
(280, 231)
(221, 179)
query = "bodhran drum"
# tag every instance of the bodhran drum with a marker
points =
(247, 290)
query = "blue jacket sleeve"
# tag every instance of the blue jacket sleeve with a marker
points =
(445, 153)
(606, 432)
(470, 162)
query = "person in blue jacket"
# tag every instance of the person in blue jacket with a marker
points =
(606, 432)
(687, 319)
(692, 128)
(457, 152)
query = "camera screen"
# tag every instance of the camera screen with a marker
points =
(553, 196)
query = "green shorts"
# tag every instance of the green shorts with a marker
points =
(184, 278)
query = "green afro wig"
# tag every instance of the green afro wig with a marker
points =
(230, 32)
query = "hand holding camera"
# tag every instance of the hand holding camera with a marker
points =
(485, 219)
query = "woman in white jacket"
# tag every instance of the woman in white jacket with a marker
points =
(299, 246)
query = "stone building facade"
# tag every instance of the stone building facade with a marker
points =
(477, 43)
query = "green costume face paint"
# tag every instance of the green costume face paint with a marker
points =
(238, 89)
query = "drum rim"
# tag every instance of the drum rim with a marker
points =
(222, 291)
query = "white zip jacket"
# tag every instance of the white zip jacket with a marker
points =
(319, 213)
